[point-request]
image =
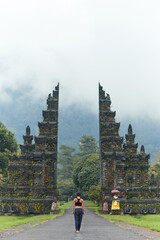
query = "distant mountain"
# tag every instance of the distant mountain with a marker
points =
(73, 123)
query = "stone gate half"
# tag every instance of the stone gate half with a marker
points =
(122, 166)
(33, 176)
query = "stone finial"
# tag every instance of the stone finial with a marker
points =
(108, 97)
(100, 87)
(130, 129)
(27, 138)
(49, 96)
(28, 131)
(56, 92)
(142, 149)
(57, 87)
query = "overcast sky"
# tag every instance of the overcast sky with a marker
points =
(80, 43)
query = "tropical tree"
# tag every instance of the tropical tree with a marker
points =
(66, 187)
(8, 145)
(65, 162)
(95, 194)
(86, 172)
(87, 145)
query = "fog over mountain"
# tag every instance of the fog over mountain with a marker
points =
(79, 44)
(74, 121)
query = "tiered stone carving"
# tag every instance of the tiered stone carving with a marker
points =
(122, 166)
(110, 142)
(136, 163)
(33, 176)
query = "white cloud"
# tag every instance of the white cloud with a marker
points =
(81, 43)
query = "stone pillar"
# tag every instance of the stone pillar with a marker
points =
(110, 143)
(46, 144)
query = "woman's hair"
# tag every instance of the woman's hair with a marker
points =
(78, 194)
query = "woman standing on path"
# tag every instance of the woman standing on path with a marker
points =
(78, 211)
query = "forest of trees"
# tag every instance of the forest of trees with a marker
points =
(79, 171)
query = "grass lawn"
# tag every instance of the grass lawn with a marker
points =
(91, 205)
(65, 205)
(150, 221)
(13, 221)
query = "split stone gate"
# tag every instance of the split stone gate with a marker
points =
(33, 176)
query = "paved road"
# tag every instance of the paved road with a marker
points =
(62, 228)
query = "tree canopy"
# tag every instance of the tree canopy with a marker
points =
(86, 172)
(7, 139)
(87, 145)
(65, 162)
(78, 171)
(66, 187)
(8, 145)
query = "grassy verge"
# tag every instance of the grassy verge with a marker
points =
(13, 221)
(65, 205)
(93, 206)
(149, 221)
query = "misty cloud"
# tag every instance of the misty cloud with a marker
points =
(81, 43)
